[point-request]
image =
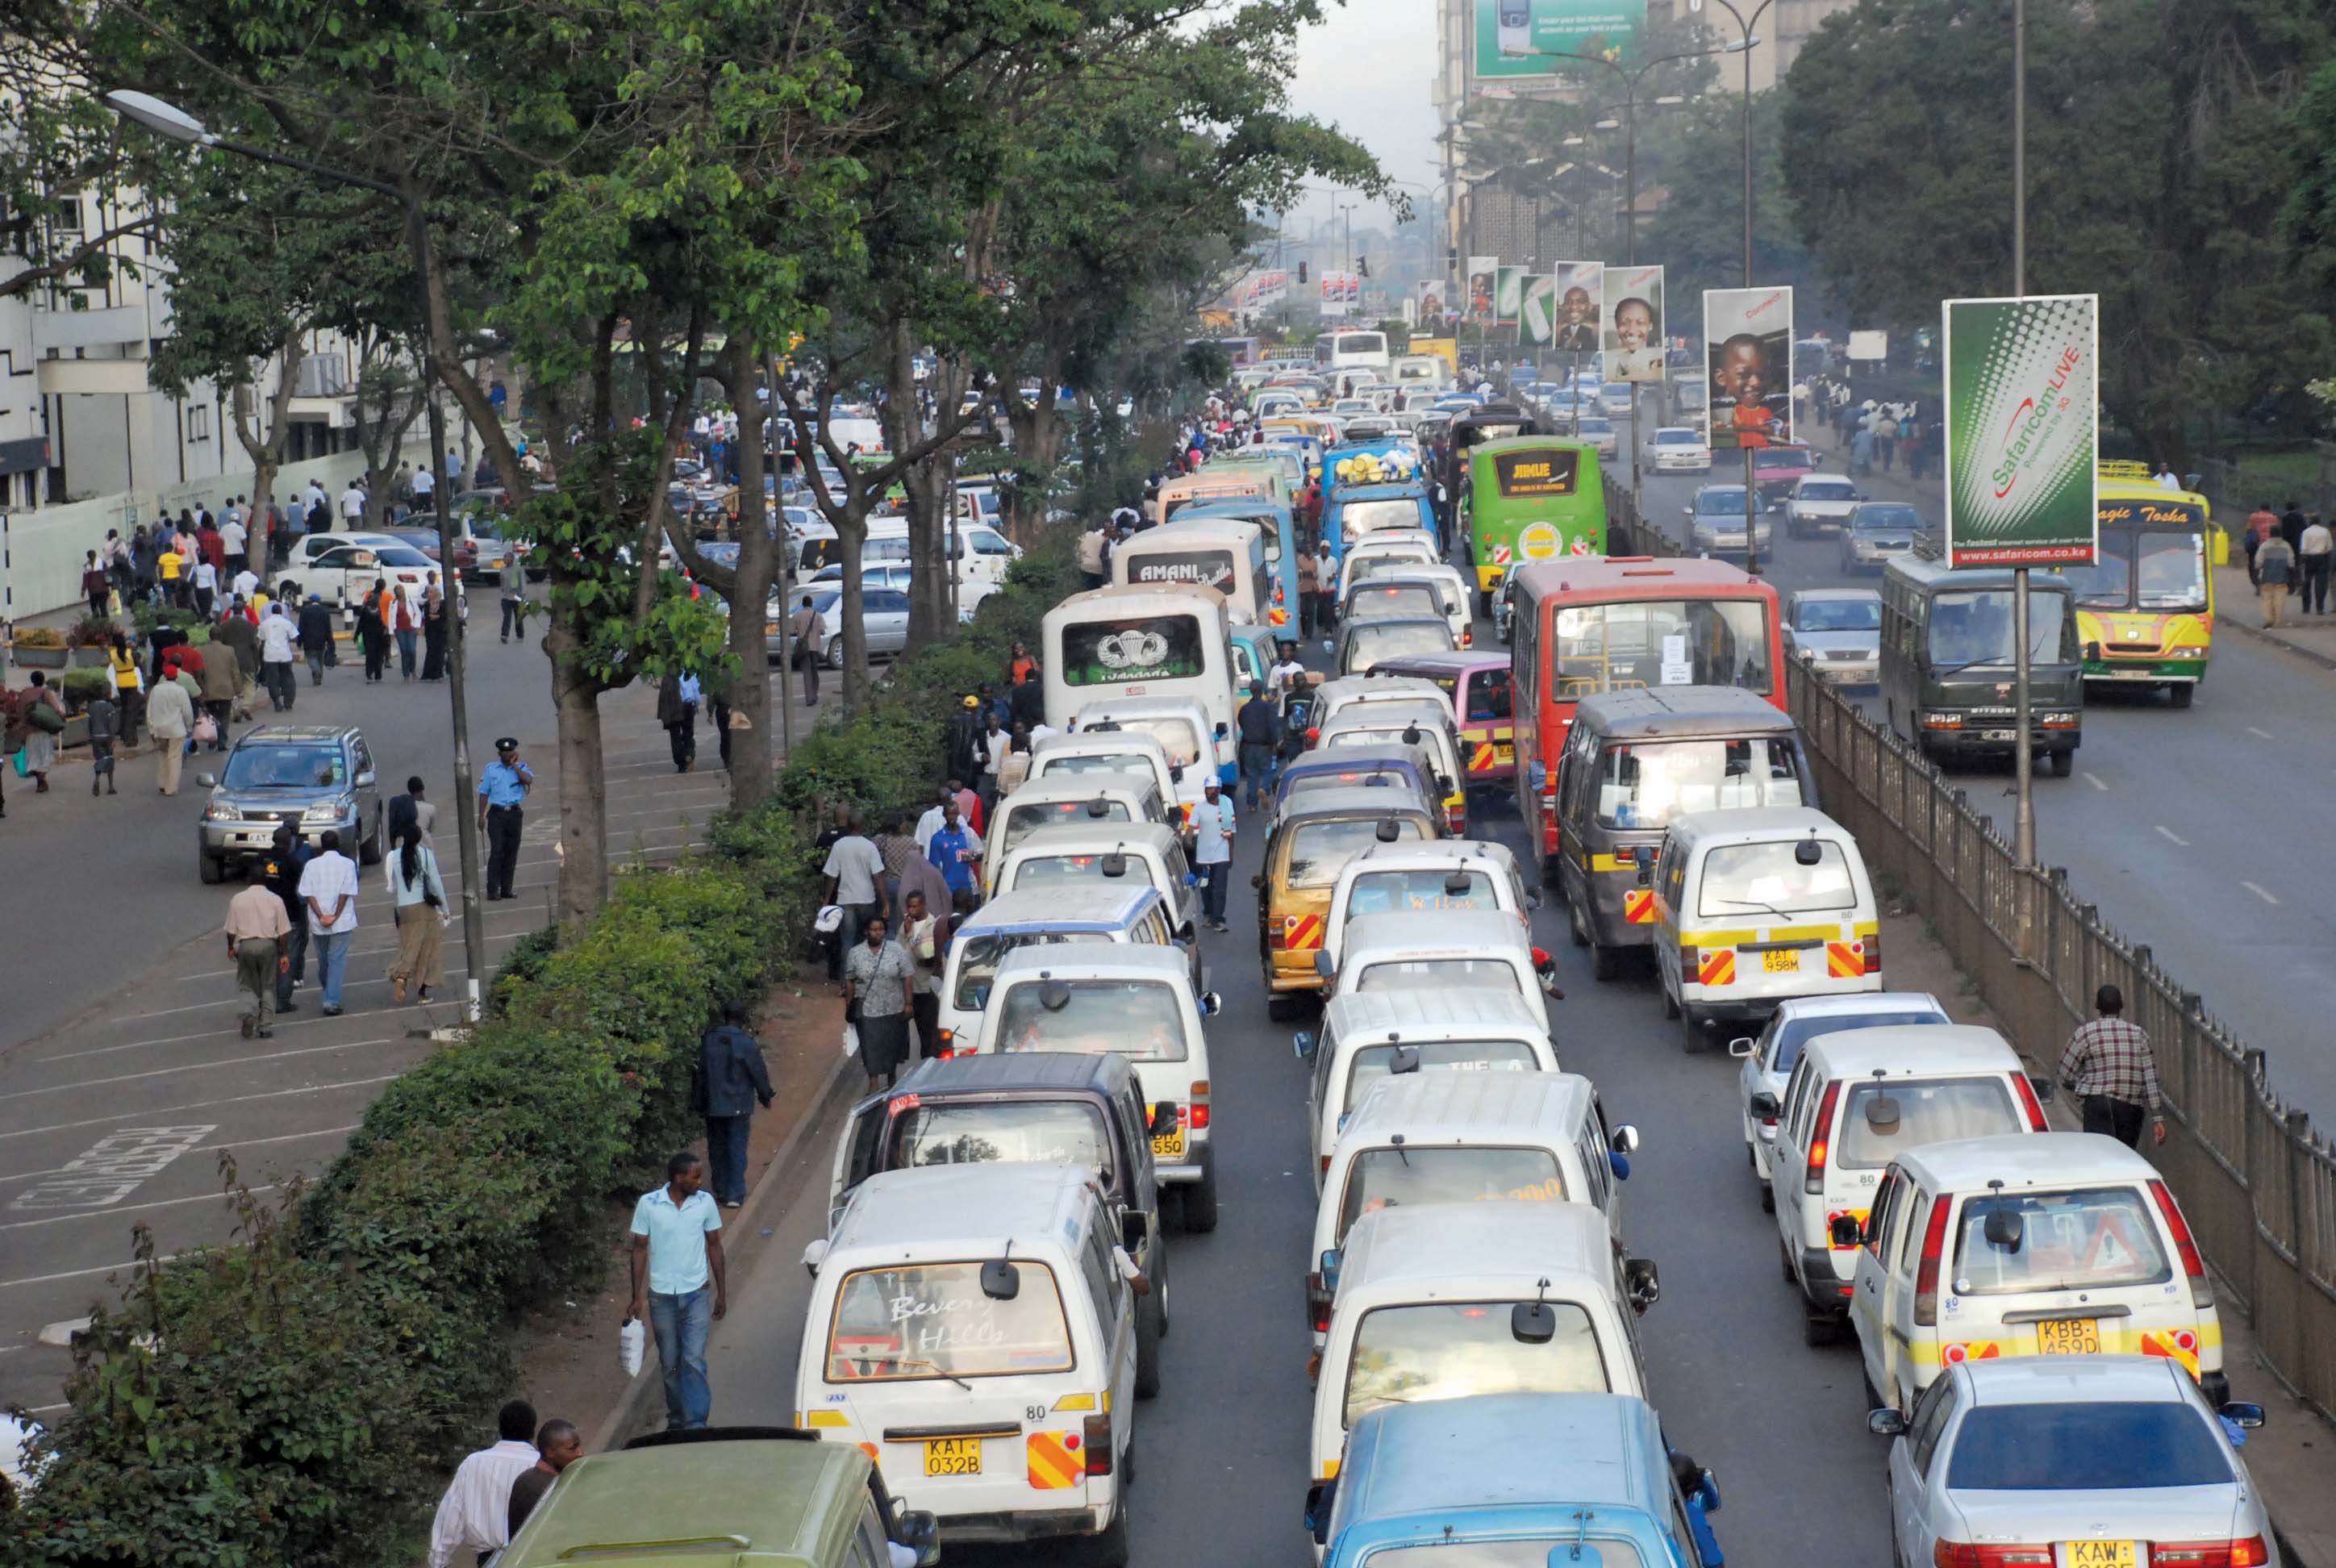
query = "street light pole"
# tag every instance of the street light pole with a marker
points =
(1748, 42)
(170, 121)
(2023, 756)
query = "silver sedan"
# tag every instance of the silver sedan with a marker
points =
(2072, 1462)
(1839, 630)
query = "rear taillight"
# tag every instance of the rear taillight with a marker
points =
(1963, 1555)
(2250, 1553)
(1926, 1272)
(2029, 1102)
(1326, 1164)
(1874, 954)
(1097, 1436)
(1199, 1117)
(1820, 1134)
(2202, 1293)
(1691, 963)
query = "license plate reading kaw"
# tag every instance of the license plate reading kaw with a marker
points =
(953, 1456)
(2098, 1554)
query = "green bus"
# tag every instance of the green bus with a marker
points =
(1530, 498)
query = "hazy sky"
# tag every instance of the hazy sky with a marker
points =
(1368, 69)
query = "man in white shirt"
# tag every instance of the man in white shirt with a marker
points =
(328, 888)
(315, 493)
(1285, 669)
(425, 485)
(353, 507)
(279, 647)
(930, 822)
(855, 879)
(233, 538)
(475, 1515)
(246, 584)
(1211, 830)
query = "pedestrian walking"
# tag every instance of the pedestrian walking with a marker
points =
(204, 584)
(1259, 723)
(278, 640)
(411, 807)
(679, 1284)
(437, 625)
(170, 719)
(2110, 1068)
(503, 797)
(1307, 588)
(1091, 567)
(956, 849)
(676, 713)
(222, 680)
(809, 630)
(558, 1443)
(730, 1079)
(1016, 769)
(104, 729)
(315, 631)
(2262, 523)
(96, 586)
(405, 625)
(419, 896)
(854, 874)
(961, 741)
(234, 542)
(171, 576)
(41, 711)
(2274, 574)
(328, 889)
(372, 632)
(1326, 588)
(475, 1515)
(2316, 553)
(925, 934)
(129, 685)
(1210, 830)
(286, 860)
(992, 745)
(256, 929)
(879, 999)
(514, 591)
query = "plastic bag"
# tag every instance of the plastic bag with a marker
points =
(851, 1039)
(632, 1341)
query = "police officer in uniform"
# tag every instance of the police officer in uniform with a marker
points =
(503, 791)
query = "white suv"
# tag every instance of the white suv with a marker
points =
(1680, 449)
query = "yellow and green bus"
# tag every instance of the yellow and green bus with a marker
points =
(2146, 607)
(1530, 498)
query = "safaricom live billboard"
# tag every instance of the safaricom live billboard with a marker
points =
(2022, 434)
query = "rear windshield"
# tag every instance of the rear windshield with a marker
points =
(925, 1320)
(1144, 1019)
(1360, 516)
(1792, 1035)
(985, 951)
(1838, 615)
(2072, 1241)
(1369, 1064)
(1433, 741)
(1135, 763)
(2089, 1448)
(1365, 568)
(1372, 778)
(1405, 1355)
(1930, 1111)
(1395, 599)
(1434, 974)
(1535, 1552)
(1768, 879)
(1388, 1178)
(976, 1134)
(1319, 850)
(1645, 785)
(1176, 736)
(1053, 870)
(1371, 641)
(1022, 821)
(1377, 892)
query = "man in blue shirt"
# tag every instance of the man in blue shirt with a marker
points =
(956, 850)
(1260, 721)
(680, 1283)
(502, 790)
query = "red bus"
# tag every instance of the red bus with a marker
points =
(1588, 626)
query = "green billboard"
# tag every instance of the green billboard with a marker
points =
(2022, 441)
(1512, 37)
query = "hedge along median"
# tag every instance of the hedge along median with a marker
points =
(293, 1399)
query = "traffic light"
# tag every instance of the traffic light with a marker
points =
(1362, 267)
(1301, 272)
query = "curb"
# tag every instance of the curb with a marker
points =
(2265, 636)
(636, 1393)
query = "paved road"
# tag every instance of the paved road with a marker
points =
(1223, 1450)
(123, 1075)
(2194, 830)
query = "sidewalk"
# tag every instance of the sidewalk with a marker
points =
(2238, 606)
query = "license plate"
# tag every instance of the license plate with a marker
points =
(2097, 1553)
(1782, 961)
(953, 1456)
(1995, 735)
(1168, 1144)
(1504, 754)
(2072, 1337)
(2115, 674)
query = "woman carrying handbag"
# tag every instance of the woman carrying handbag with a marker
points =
(420, 898)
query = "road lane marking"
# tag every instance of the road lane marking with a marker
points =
(129, 1209)
(215, 1148)
(2095, 781)
(2171, 836)
(190, 1068)
(2261, 733)
(113, 1167)
(80, 1274)
(201, 1105)
(2260, 894)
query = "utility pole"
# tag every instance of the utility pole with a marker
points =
(2023, 755)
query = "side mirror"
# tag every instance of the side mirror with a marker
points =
(1175, 773)
(1303, 1044)
(364, 779)
(814, 1256)
(2005, 1228)
(209, 781)
(1625, 1138)
(1001, 1281)
(1845, 1231)
(2248, 1417)
(1742, 1046)
(1329, 1269)
(1641, 1283)
(1886, 1422)
(1256, 882)
(1185, 933)
(2044, 1087)
(1764, 1104)
(1211, 1004)
(1533, 1324)
(920, 1532)
(1131, 1229)
(1324, 965)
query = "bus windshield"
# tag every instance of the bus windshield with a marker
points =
(1132, 648)
(2145, 570)
(1974, 627)
(1661, 642)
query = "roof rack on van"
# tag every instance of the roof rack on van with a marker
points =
(1930, 543)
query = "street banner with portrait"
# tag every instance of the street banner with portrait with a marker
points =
(1538, 310)
(1747, 356)
(1508, 296)
(1517, 37)
(1633, 334)
(1483, 279)
(2022, 441)
(1580, 304)
(1433, 301)
(1341, 292)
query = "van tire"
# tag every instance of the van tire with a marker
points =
(1820, 1327)
(2064, 763)
(210, 868)
(2183, 694)
(1148, 1331)
(1160, 1277)
(1574, 925)
(1767, 1199)
(1670, 1002)
(1785, 1262)
(1281, 1007)
(1200, 1203)
(1605, 963)
(1108, 1548)
(1690, 1032)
